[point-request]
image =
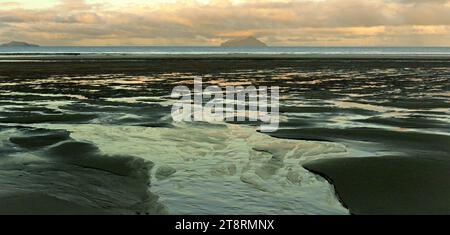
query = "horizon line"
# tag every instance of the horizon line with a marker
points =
(219, 46)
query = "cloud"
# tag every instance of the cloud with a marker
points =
(296, 22)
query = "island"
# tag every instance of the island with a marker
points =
(18, 44)
(244, 42)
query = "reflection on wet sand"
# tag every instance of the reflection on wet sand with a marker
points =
(100, 135)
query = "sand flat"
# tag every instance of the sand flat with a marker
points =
(389, 185)
(116, 107)
(41, 204)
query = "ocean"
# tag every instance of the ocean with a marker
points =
(55, 50)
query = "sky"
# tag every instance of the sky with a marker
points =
(210, 22)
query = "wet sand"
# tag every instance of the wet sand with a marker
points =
(42, 204)
(389, 184)
(139, 65)
(407, 142)
(393, 112)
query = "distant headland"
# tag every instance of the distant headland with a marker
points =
(244, 42)
(18, 44)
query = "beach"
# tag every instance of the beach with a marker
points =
(93, 134)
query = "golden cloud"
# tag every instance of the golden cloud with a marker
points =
(329, 22)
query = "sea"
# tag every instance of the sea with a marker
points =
(155, 50)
